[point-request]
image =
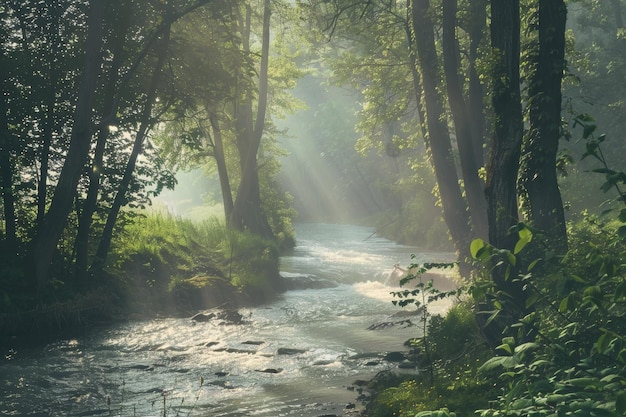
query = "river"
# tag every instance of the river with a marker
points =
(178, 367)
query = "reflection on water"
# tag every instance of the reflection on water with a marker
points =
(294, 357)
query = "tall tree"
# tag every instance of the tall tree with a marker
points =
(502, 171)
(147, 120)
(6, 163)
(220, 161)
(81, 246)
(61, 204)
(538, 171)
(247, 211)
(508, 126)
(454, 205)
(462, 118)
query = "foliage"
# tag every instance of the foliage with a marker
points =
(567, 356)
(456, 390)
(449, 352)
(165, 264)
(575, 366)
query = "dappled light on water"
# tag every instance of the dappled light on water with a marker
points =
(294, 357)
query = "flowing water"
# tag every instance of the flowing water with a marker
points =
(181, 367)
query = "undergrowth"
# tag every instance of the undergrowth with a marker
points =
(565, 356)
(175, 263)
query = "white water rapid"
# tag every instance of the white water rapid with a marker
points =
(298, 356)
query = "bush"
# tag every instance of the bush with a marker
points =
(456, 353)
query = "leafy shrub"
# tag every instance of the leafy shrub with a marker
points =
(576, 365)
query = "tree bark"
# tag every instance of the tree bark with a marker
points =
(474, 187)
(502, 171)
(50, 113)
(539, 174)
(503, 165)
(220, 160)
(247, 211)
(6, 171)
(454, 206)
(61, 204)
(477, 24)
(415, 75)
(146, 123)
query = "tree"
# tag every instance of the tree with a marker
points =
(538, 172)
(6, 166)
(247, 212)
(422, 62)
(89, 206)
(454, 205)
(222, 111)
(61, 204)
(502, 171)
(83, 127)
(146, 121)
(467, 125)
(503, 164)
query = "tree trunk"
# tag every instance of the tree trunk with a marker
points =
(474, 188)
(220, 160)
(6, 173)
(247, 211)
(454, 206)
(146, 122)
(415, 75)
(48, 236)
(477, 23)
(50, 103)
(539, 175)
(81, 245)
(504, 158)
(502, 170)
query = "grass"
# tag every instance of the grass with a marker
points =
(168, 261)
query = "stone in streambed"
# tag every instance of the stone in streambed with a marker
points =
(253, 342)
(203, 318)
(290, 351)
(270, 370)
(233, 350)
(395, 357)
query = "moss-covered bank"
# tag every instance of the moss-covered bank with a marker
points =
(160, 266)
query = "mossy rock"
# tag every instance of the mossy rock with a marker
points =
(203, 292)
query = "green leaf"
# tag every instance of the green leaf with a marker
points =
(511, 258)
(566, 304)
(620, 291)
(506, 348)
(532, 299)
(521, 243)
(621, 232)
(602, 343)
(496, 362)
(585, 382)
(622, 215)
(526, 347)
(533, 264)
(476, 246)
(555, 399)
(593, 291)
(603, 171)
(620, 403)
